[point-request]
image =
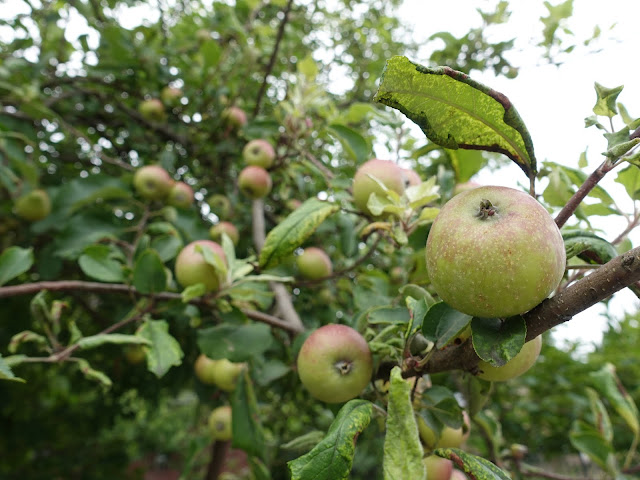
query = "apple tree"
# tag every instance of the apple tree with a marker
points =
(205, 271)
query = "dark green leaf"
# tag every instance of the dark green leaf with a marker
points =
(248, 434)
(497, 341)
(456, 112)
(588, 246)
(588, 440)
(149, 275)
(165, 351)
(607, 383)
(237, 343)
(355, 145)
(294, 230)
(332, 458)
(100, 262)
(100, 339)
(442, 324)
(14, 261)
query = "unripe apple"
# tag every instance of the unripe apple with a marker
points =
(457, 475)
(335, 363)
(255, 182)
(494, 252)
(449, 437)
(216, 231)
(33, 206)
(205, 369)
(390, 174)
(515, 367)
(259, 152)
(135, 354)
(438, 468)
(220, 423)
(234, 117)
(226, 374)
(191, 267)
(220, 205)
(180, 195)
(152, 182)
(171, 95)
(463, 187)
(314, 263)
(411, 178)
(203, 35)
(152, 109)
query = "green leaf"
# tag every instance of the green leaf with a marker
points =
(294, 230)
(100, 339)
(168, 246)
(607, 383)
(149, 275)
(588, 246)
(420, 195)
(211, 53)
(14, 261)
(402, 448)
(480, 468)
(456, 112)
(94, 375)
(165, 351)
(332, 458)
(606, 101)
(237, 343)
(600, 415)
(100, 262)
(354, 143)
(466, 163)
(27, 336)
(6, 373)
(439, 407)
(622, 148)
(588, 440)
(304, 442)
(388, 315)
(497, 341)
(629, 178)
(248, 434)
(442, 324)
(193, 291)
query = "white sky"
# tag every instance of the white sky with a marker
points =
(553, 101)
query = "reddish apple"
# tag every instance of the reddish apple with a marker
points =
(191, 267)
(314, 263)
(255, 182)
(259, 152)
(438, 468)
(180, 195)
(216, 231)
(386, 171)
(234, 117)
(152, 182)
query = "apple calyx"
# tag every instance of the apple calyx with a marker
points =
(486, 210)
(343, 367)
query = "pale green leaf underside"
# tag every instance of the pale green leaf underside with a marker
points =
(456, 112)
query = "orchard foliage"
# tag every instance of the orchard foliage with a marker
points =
(123, 137)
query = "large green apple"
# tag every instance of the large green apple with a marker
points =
(335, 363)
(254, 181)
(515, 367)
(180, 195)
(438, 468)
(33, 206)
(191, 267)
(152, 182)
(259, 152)
(220, 423)
(494, 252)
(314, 263)
(391, 175)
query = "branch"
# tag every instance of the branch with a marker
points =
(615, 275)
(272, 60)
(97, 287)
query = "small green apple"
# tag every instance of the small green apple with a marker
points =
(191, 267)
(216, 231)
(335, 363)
(180, 195)
(314, 263)
(255, 182)
(494, 252)
(205, 369)
(220, 205)
(234, 117)
(152, 109)
(152, 182)
(220, 424)
(438, 468)
(227, 373)
(171, 95)
(135, 354)
(33, 206)
(390, 174)
(259, 152)
(515, 367)
(449, 437)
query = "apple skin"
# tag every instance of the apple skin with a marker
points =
(463, 187)
(180, 195)
(499, 265)
(135, 354)
(390, 174)
(216, 231)
(234, 117)
(335, 363)
(259, 152)
(515, 367)
(411, 178)
(449, 437)
(220, 205)
(457, 475)
(152, 182)
(314, 264)
(191, 267)
(220, 423)
(33, 206)
(227, 373)
(205, 369)
(152, 109)
(255, 182)
(438, 468)
(171, 95)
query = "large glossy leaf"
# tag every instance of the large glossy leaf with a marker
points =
(497, 341)
(332, 458)
(294, 230)
(14, 261)
(455, 111)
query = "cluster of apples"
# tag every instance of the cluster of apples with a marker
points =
(254, 179)
(152, 182)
